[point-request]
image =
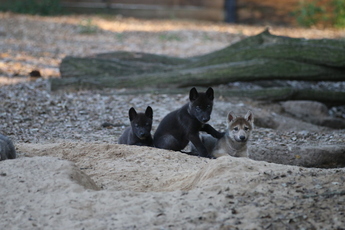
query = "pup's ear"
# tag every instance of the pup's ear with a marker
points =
(149, 112)
(249, 116)
(132, 114)
(193, 94)
(210, 93)
(230, 117)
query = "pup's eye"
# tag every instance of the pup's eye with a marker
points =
(246, 128)
(198, 108)
(136, 125)
(236, 128)
(208, 106)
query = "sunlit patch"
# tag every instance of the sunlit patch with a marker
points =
(11, 80)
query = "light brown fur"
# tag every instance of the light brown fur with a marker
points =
(234, 142)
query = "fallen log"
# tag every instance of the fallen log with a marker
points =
(324, 156)
(256, 69)
(273, 94)
(261, 57)
(293, 57)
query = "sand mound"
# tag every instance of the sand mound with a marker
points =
(147, 188)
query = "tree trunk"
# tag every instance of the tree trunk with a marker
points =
(261, 57)
(324, 156)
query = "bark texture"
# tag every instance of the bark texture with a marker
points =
(261, 57)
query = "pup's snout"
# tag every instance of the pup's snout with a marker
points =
(205, 119)
(242, 138)
(142, 135)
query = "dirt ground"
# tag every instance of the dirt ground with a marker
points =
(71, 174)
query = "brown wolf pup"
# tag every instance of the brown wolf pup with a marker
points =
(139, 133)
(234, 141)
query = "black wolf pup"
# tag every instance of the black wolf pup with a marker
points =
(139, 133)
(183, 125)
(7, 150)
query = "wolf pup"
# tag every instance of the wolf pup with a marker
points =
(139, 133)
(183, 125)
(7, 150)
(234, 141)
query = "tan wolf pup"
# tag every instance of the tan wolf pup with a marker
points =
(234, 141)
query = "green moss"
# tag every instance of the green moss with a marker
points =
(317, 12)
(35, 7)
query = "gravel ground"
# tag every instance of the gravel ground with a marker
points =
(32, 114)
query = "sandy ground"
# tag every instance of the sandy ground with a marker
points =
(124, 187)
(71, 174)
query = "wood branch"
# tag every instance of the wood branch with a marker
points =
(307, 156)
(325, 194)
(267, 94)
(274, 94)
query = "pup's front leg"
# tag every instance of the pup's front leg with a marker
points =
(210, 130)
(201, 149)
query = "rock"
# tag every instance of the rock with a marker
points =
(34, 74)
(266, 122)
(313, 112)
(305, 109)
(331, 122)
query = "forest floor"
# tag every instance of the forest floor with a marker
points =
(111, 186)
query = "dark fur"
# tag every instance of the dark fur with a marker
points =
(7, 150)
(139, 133)
(183, 125)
